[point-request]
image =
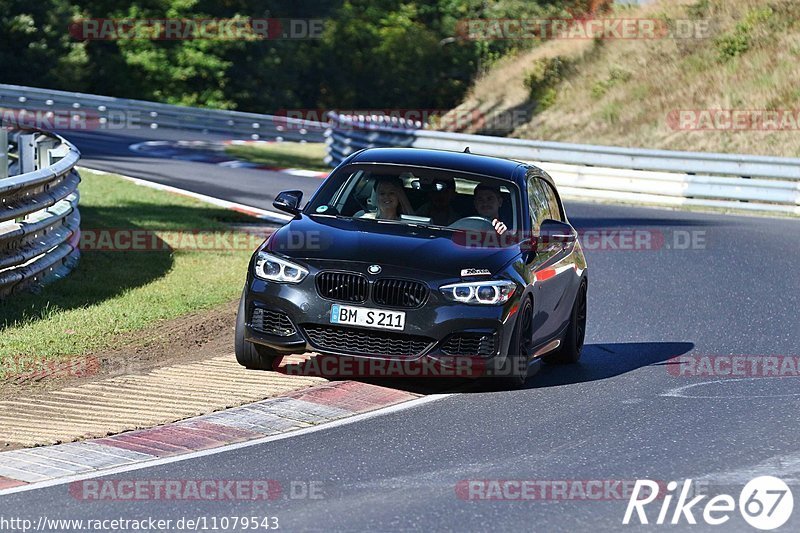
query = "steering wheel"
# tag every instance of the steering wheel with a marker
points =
(472, 223)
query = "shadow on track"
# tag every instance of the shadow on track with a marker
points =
(599, 361)
(603, 361)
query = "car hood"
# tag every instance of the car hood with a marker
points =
(435, 250)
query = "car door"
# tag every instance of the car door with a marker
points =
(539, 210)
(556, 273)
(548, 265)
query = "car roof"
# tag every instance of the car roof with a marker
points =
(443, 159)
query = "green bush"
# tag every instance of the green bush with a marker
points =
(548, 99)
(617, 75)
(698, 10)
(733, 45)
(611, 112)
(740, 40)
(599, 89)
(543, 77)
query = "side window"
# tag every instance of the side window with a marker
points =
(552, 201)
(537, 202)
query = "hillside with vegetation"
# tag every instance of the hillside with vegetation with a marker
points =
(373, 54)
(632, 92)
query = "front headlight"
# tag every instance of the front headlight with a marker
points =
(273, 268)
(479, 292)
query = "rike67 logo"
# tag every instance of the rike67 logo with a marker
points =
(765, 503)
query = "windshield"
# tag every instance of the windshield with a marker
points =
(411, 195)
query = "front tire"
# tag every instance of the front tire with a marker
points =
(249, 355)
(570, 350)
(520, 348)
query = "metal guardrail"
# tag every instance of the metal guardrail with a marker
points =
(89, 111)
(39, 217)
(747, 182)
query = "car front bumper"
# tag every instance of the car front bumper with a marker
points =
(431, 331)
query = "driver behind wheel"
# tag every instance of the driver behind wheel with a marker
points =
(487, 201)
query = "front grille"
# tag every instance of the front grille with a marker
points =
(399, 293)
(363, 342)
(469, 344)
(342, 286)
(272, 322)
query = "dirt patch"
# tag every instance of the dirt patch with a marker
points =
(192, 337)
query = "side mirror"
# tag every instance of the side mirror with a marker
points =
(288, 201)
(555, 232)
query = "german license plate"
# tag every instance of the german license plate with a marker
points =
(367, 317)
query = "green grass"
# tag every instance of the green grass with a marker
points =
(307, 156)
(113, 292)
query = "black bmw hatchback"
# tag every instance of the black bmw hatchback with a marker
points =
(409, 254)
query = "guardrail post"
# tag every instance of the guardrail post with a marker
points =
(26, 149)
(3, 153)
(44, 148)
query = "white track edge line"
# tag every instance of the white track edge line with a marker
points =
(272, 216)
(227, 447)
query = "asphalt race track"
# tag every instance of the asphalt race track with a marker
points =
(705, 285)
(110, 152)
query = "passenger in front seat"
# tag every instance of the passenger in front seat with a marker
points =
(390, 198)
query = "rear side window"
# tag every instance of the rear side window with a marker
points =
(537, 203)
(552, 201)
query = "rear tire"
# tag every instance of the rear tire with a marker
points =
(571, 348)
(249, 355)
